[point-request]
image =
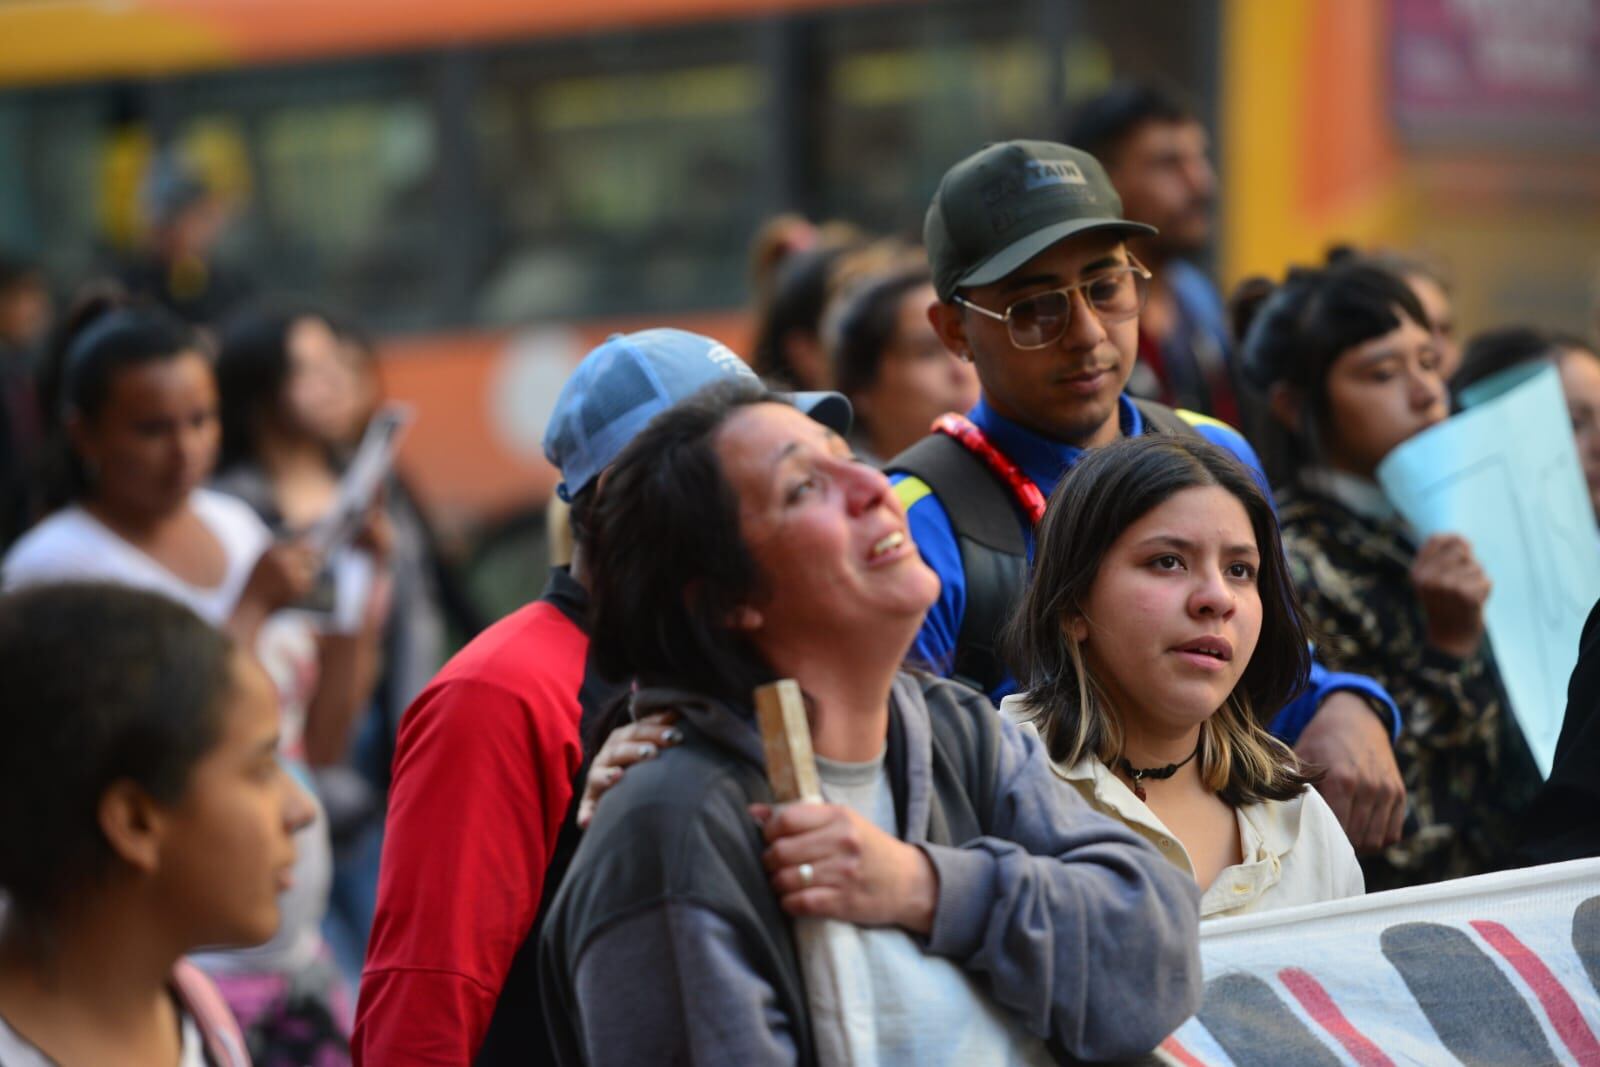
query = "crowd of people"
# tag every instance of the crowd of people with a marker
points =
(1104, 625)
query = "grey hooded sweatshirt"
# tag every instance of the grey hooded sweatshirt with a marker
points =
(666, 944)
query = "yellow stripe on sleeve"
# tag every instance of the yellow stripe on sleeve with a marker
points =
(911, 490)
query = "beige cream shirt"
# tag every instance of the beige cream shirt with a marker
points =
(1295, 851)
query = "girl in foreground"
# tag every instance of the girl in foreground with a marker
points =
(737, 542)
(1158, 627)
(149, 816)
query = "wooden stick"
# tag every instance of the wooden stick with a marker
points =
(786, 737)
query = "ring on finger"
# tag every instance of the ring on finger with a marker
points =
(807, 873)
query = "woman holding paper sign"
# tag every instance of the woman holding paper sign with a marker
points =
(139, 408)
(1350, 370)
(1002, 920)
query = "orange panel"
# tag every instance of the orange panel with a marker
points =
(290, 28)
(1347, 146)
(465, 455)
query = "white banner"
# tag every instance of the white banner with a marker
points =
(1502, 970)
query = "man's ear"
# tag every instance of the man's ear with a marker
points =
(1287, 405)
(948, 323)
(134, 825)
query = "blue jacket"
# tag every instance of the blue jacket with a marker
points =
(1044, 461)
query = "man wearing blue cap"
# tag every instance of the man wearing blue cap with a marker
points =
(486, 760)
(1028, 246)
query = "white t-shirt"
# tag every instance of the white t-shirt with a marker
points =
(72, 545)
(18, 1051)
(876, 996)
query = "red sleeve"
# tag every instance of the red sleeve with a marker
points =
(482, 780)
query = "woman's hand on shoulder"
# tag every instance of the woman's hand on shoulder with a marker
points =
(626, 746)
(826, 861)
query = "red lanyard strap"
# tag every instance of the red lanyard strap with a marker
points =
(973, 440)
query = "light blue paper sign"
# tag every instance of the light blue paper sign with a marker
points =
(1505, 475)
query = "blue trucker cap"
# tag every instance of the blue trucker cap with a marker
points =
(630, 379)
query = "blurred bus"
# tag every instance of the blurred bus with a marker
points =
(493, 185)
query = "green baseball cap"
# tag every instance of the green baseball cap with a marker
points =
(1000, 207)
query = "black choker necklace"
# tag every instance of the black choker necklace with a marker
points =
(1160, 774)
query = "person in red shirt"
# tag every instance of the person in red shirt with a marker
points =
(480, 825)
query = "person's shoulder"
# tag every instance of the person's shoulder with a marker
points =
(917, 498)
(682, 815)
(228, 516)
(949, 698)
(64, 546)
(520, 655)
(1222, 435)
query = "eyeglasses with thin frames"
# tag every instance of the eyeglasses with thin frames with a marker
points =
(1035, 321)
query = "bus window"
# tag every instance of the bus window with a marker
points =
(334, 168)
(625, 173)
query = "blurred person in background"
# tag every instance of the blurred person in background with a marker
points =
(482, 822)
(24, 322)
(176, 263)
(1349, 367)
(1157, 155)
(283, 376)
(789, 351)
(148, 815)
(1429, 286)
(140, 437)
(888, 361)
(1493, 351)
(1433, 293)
(775, 241)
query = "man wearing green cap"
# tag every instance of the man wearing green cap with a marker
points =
(1036, 287)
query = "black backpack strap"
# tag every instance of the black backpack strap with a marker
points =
(994, 551)
(1161, 419)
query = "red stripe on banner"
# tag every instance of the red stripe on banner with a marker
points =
(1553, 996)
(1326, 1014)
(1171, 1047)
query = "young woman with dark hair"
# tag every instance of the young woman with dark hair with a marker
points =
(736, 542)
(1158, 628)
(1349, 369)
(140, 418)
(138, 423)
(148, 816)
(890, 363)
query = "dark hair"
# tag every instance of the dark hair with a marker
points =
(1402, 265)
(799, 297)
(17, 272)
(1100, 124)
(868, 318)
(1292, 334)
(669, 565)
(1108, 491)
(103, 335)
(1493, 351)
(103, 683)
(252, 368)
